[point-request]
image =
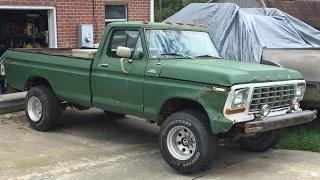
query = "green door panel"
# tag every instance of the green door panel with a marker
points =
(68, 77)
(115, 90)
(118, 91)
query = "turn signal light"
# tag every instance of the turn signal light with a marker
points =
(169, 22)
(201, 25)
(230, 111)
(180, 23)
(145, 22)
(190, 24)
(223, 90)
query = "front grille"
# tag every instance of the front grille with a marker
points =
(275, 96)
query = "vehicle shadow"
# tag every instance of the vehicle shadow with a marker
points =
(96, 126)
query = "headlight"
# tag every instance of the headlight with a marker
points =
(240, 98)
(301, 88)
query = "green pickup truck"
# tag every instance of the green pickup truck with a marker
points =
(166, 73)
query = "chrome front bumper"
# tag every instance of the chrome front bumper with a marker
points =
(281, 121)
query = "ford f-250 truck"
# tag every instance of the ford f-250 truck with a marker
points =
(165, 73)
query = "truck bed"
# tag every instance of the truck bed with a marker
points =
(69, 76)
(52, 51)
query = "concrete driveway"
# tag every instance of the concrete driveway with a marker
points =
(88, 145)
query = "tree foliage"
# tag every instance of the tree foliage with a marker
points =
(170, 7)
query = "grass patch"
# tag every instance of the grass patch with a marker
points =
(303, 137)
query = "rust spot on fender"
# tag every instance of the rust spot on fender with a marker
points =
(207, 92)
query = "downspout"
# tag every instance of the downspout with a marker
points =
(263, 3)
(151, 11)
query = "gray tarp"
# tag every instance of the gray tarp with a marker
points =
(242, 33)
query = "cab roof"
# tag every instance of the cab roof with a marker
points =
(156, 25)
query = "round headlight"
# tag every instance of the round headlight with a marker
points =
(265, 110)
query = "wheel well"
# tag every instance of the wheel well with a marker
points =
(178, 104)
(36, 81)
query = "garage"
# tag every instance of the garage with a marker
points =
(27, 27)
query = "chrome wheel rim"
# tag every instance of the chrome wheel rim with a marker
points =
(34, 108)
(181, 143)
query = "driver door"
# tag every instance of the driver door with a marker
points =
(115, 90)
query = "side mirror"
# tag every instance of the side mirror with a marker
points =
(124, 52)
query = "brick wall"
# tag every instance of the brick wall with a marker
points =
(307, 11)
(70, 13)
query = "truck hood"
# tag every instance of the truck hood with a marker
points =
(225, 72)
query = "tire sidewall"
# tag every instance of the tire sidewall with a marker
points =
(41, 98)
(267, 141)
(196, 159)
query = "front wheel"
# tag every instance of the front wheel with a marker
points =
(261, 141)
(186, 141)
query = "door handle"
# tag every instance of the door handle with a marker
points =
(103, 65)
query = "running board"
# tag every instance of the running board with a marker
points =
(12, 102)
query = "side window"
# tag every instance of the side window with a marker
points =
(130, 39)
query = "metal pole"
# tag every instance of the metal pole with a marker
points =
(151, 15)
(33, 32)
(263, 3)
(160, 10)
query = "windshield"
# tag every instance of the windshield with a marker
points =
(177, 44)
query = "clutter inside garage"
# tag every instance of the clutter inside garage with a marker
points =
(23, 29)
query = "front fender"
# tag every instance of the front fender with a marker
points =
(159, 90)
(214, 103)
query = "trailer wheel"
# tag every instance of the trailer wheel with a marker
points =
(186, 141)
(43, 109)
(261, 141)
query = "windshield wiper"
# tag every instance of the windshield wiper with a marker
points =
(177, 54)
(210, 56)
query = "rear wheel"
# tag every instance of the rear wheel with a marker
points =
(186, 141)
(261, 141)
(42, 108)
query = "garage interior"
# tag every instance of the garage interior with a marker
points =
(23, 29)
